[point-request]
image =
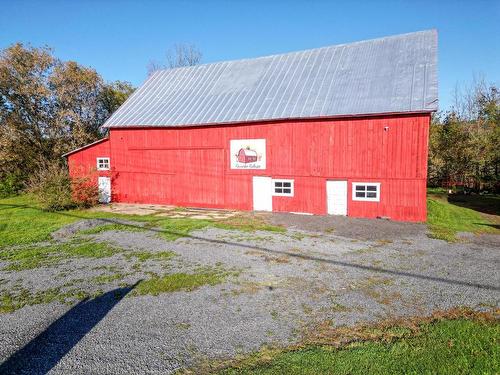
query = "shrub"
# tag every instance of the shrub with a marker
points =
(10, 184)
(52, 187)
(56, 190)
(84, 191)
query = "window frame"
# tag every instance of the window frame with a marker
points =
(99, 163)
(365, 198)
(283, 180)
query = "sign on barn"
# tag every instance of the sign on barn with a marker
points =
(248, 153)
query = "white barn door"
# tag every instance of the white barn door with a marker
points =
(336, 197)
(104, 185)
(262, 193)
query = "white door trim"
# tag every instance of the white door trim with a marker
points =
(336, 197)
(262, 188)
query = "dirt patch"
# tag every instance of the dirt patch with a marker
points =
(165, 211)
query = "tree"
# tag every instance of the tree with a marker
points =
(180, 55)
(48, 107)
(115, 94)
(464, 142)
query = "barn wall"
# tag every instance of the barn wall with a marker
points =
(84, 162)
(191, 166)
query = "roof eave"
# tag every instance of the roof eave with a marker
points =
(275, 120)
(84, 147)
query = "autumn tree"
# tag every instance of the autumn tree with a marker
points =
(48, 107)
(179, 55)
(464, 142)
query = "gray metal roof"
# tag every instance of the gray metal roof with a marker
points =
(387, 75)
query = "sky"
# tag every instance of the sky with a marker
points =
(120, 38)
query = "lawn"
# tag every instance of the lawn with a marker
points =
(23, 222)
(446, 216)
(450, 346)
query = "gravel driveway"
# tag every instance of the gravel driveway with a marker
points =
(346, 271)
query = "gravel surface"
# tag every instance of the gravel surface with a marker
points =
(359, 271)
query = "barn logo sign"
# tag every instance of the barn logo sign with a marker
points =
(248, 153)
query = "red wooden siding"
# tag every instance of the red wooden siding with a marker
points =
(191, 166)
(84, 162)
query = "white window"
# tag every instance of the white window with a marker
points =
(102, 164)
(366, 191)
(283, 188)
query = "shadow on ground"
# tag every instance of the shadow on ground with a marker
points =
(293, 254)
(42, 353)
(487, 204)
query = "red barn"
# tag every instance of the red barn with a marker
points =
(336, 130)
(247, 156)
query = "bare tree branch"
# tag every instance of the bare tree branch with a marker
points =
(180, 55)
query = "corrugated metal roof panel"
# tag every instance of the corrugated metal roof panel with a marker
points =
(386, 75)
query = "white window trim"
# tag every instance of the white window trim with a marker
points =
(97, 163)
(354, 198)
(292, 188)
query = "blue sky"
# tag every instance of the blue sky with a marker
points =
(119, 38)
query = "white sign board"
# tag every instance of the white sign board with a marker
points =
(248, 153)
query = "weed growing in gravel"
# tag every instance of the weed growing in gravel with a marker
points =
(183, 325)
(106, 278)
(116, 227)
(181, 281)
(32, 256)
(11, 301)
(143, 256)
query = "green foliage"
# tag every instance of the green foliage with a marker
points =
(446, 347)
(10, 184)
(49, 107)
(445, 220)
(51, 186)
(180, 281)
(463, 147)
(115, 93)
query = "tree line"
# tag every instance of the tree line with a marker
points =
(464, 142)
(48, 107)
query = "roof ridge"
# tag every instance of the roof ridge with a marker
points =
(372, 40)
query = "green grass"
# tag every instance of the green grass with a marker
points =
(22, 221)
(30, 257)
(143, 256)
(106, 278)
(180, 282)
(117, 227)
(445, 220)
(12, 301)
(446, 347)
